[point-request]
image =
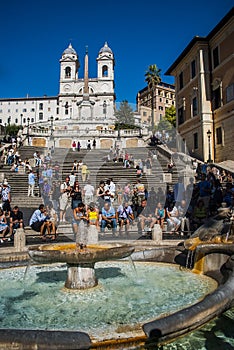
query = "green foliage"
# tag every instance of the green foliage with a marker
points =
(12, 129)
(125, 114)
(170, 115)
(164, 124)
(121, 126)
(153, 76)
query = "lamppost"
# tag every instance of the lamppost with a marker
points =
(28, 120)
(140, 132)
(209, 147)
(51, 127)
(104, 108)
(118, 137)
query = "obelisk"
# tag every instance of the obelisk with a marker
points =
(86, 76)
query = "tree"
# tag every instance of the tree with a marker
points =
(152, 78)
(125, 114)
(12, 129)
(164, 124)
(170, 115)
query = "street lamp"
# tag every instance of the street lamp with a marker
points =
(140, 132)
(104, 108)
(118, 137)
(209, 145)
(51, 127)
(28, 120)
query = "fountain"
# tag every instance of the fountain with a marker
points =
(121, 312)
(80, 260)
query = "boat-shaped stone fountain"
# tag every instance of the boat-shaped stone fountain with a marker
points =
(80, 260)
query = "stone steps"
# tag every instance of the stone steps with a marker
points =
(99, 170)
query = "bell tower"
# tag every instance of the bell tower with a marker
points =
(105, 62)
(69, 65)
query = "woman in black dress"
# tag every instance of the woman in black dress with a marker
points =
(76, 195)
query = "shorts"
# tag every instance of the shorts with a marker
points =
(75, 222)
(63, 202)
(6, 206)
(36, 226)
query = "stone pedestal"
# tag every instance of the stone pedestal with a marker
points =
(20, 240)
(81, 276)
(92, 235)
(157, 233)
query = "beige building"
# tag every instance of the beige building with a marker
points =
(204, 80)
(164, 97)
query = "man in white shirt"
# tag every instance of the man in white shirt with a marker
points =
(88, 192)
(72, 178)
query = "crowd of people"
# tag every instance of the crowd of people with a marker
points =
(112, 206)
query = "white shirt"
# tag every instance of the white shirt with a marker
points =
(112, 187)
(88, 190)
(72, 179)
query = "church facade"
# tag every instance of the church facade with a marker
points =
(97, 92)
(83, 110)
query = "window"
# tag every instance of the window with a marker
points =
(216, 57)
(167, 101)
(144, 114)
(66, 111)
(32, 109)
(40, 106)
(16, 121)
(193, 69)
(0, 121)
(195, 140)
(49, 109)
(68, 72)
(9, 103)
(24, 120)
(160, 100)
(219, 136)
(160, 108)
(181, 81)
(9, 111)
(105, 71)
(216, 98)
(160, 116)
(16, 110)
(0, 110)
(230, 93)
(180, 115)
(24, 110)
(57, 110)
(173, 102)
(194, 107)
(40, 116)
(25, 102)
(32, 120)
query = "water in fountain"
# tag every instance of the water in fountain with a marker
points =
(120, 301)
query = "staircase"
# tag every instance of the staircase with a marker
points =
(99, 168)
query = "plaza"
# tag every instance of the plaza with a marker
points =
(120, 236)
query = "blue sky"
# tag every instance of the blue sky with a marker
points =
(35, 33)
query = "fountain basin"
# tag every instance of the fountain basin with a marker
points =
(80, 262)
(116, 310)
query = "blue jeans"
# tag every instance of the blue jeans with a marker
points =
(113, 224)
